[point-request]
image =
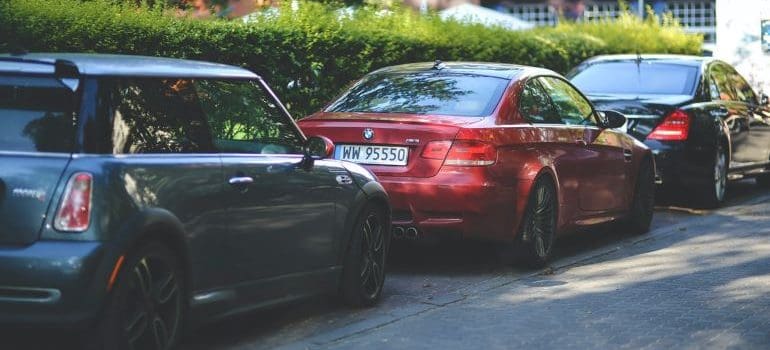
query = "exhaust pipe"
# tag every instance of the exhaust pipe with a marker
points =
(398, 232)
(411, 234)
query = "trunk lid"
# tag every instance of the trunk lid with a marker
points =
(644, 112)
(403, 130)
(27, 186)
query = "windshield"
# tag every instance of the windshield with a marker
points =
(36, 114)
(423, 93)
(629, 78)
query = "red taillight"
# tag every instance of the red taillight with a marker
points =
(436, 149)
(74, 212)
(471, 153)
(675, 127)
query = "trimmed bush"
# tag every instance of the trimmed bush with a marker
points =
(308, 55)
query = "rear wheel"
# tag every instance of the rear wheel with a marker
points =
(538, 228)
(763, 180)
(643, 205)
(147, 306)
(713, 194)
(363, 274)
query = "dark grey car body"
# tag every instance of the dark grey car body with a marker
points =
(277, 239)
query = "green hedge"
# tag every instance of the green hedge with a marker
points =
(315, 47)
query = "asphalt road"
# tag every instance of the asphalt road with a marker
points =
(426, 280)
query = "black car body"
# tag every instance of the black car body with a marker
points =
(700, 117)
(118, 169)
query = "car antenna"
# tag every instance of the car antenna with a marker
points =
(438, 65)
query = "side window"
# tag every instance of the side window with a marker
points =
(535, 106)
(158, 116)
(719, 74)
(572, 107)
(742, 88)
(245, 119)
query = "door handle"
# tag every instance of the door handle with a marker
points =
(240, 180)
(628, 155)
(581, 142)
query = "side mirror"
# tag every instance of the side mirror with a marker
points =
(764, 100)
(319, 147)
(612, 119)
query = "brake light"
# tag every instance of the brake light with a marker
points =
(74, 213)
(436, 149)
(471, 153)
(675, 127)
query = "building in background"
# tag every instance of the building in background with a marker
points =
(743, 39)
(696, 16)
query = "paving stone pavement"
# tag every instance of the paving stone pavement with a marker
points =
(703, 286)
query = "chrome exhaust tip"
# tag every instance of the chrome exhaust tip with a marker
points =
(398, 232)
(411, 234)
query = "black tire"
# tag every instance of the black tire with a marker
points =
(763, 180)
(147, 305)
(363, 272)
(538, 227)
(643, 204)
(712, 195)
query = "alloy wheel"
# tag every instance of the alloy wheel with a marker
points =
(153, 305)
(373, 257)
(720, 174)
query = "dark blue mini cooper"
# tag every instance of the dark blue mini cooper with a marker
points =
(139, 193)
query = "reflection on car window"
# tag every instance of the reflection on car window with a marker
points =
(423, 93)
(572, 107)
(200, 116)
(36, 114)
(245, 119)
(535, 105)
(627, 77)
(159, 116)
(719, 75)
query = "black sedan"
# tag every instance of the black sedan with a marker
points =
(700, 117)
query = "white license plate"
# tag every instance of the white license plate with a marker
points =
(372, 154)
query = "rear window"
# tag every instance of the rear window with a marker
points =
(36, 114)
(642, 79)
(423, 93)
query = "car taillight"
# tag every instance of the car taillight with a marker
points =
(74, 213)
(436, 149)
(471, 153)
(675, 127)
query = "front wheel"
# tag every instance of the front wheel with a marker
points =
(147, 307)
(363, 273)
(538, 227)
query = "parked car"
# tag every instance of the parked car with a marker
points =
(139, 193)
(700, 117)
(490, 151)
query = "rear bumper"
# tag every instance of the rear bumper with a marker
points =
(679, 165)
(52, 283)
(464, 202)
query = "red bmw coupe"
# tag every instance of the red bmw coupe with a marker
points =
(490, 151)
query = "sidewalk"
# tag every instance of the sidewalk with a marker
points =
(702, 286)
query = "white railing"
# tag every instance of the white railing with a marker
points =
(696, 16)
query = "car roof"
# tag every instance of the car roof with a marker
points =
(498, 70)
(668, 59)
(123, 65)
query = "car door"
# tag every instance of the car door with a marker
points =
(734, 113)
(758, 143)
(280, 208)
(601, 168)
